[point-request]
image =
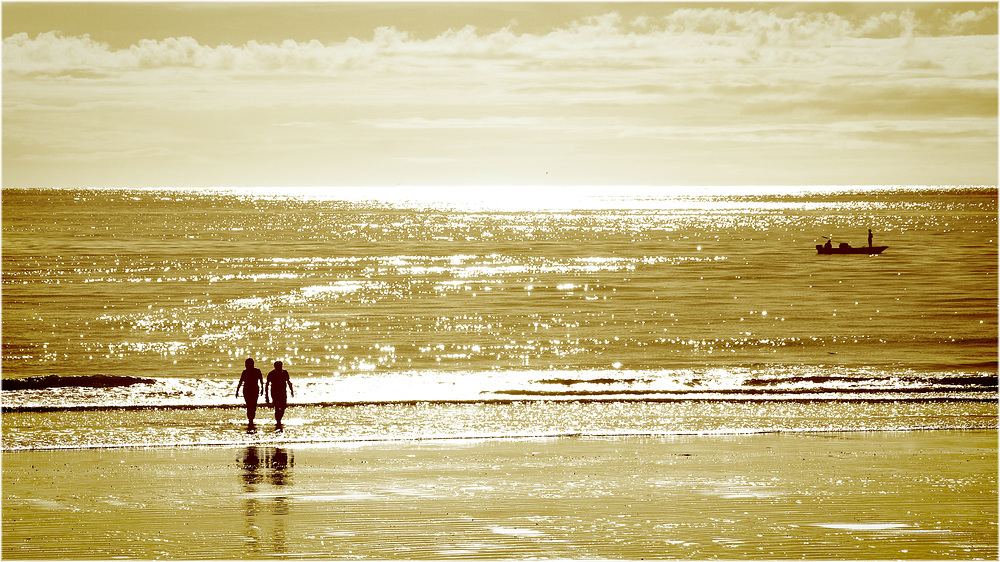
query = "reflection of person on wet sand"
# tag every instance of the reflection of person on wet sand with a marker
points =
(265, 522)
(275, 389)
(252, 381)
(278, 461)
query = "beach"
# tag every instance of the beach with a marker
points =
(558, 280)
(816, 495)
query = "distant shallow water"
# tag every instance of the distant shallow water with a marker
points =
(420, 421)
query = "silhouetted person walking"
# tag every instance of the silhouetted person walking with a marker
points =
(275, 388)
(252, 381)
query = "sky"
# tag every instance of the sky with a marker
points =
(232, 94)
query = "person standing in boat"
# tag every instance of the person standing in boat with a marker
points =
(869, 238)
(275, 389)
(252, 381)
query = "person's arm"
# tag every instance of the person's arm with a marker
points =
(291, 392)
(267, 390)
(238, 385)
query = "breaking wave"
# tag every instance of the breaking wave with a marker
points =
(88, 381)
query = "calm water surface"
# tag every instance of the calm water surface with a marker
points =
(647, 299)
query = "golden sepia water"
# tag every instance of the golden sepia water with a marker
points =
(628, 374)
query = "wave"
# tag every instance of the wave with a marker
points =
(941, 383)
(88, 381)
(118, 393)
(605, 380)
(989, 382)
(527, 396)
(775, 394)
(984, 382)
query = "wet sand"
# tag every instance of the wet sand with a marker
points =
(855, 495)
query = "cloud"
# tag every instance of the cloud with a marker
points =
(491, 122)
(604, 92)
(605, 38)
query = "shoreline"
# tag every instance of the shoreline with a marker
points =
(391, 440)
(851, 495)
(401, 422)
(509, 401)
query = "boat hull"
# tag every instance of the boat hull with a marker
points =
(866, 250)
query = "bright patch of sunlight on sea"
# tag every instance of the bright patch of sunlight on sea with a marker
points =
(534, 198)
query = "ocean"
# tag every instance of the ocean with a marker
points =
(431, 313)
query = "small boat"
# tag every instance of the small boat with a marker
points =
(847, 249)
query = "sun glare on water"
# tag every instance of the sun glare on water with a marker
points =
(516, 198)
